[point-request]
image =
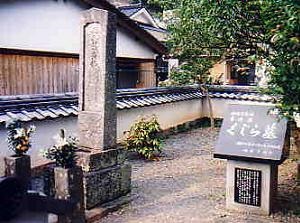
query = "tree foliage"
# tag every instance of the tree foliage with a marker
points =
(203, 32)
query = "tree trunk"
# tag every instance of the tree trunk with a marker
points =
(210, 109)
(297, 140)
(296, 149)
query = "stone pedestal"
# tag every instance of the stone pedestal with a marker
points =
(19, 166)
(106, 176)
(69, 186)
(251, 187)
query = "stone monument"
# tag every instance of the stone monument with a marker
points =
(106, 175)
(252, 139)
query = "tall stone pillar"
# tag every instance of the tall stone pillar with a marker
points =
(97, 81)
(106, 176)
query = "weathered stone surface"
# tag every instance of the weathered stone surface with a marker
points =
(97, 80)
(94, 131)
(19, 166)
(69, 186)
(107, 184)
(100, 160)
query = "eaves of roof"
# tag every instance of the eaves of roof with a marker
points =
(152, 28)
(129, 10)
(129, 25)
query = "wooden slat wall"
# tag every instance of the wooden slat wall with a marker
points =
(147, 76)
(26, 74)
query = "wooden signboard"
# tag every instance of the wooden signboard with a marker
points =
(254, 132)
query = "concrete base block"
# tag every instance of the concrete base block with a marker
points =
(266, 192)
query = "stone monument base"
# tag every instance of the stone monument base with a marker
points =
(251, 187)
(106, 176)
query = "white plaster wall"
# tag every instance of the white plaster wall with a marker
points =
(220, 105)
(130, 47)
(46, 25)
(169, 115)
(54, 25)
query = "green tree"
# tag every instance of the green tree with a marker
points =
(203, 32)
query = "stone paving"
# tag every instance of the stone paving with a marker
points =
(187, 185)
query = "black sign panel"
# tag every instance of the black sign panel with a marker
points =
(247, 186)
(251, 131)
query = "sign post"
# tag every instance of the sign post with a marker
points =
(252, 139)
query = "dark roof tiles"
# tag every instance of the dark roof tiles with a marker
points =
(40, 107)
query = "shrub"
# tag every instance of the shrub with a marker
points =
(144, 138)
(18, 137)
(64, 151)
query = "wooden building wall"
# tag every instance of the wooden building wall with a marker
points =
(25, 72)
(136, 73)
(147, 76)
(22, 73)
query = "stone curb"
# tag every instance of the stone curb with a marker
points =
(97, 213)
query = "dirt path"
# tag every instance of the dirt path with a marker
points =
(187, 185)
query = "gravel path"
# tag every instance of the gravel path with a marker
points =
(187, 185)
